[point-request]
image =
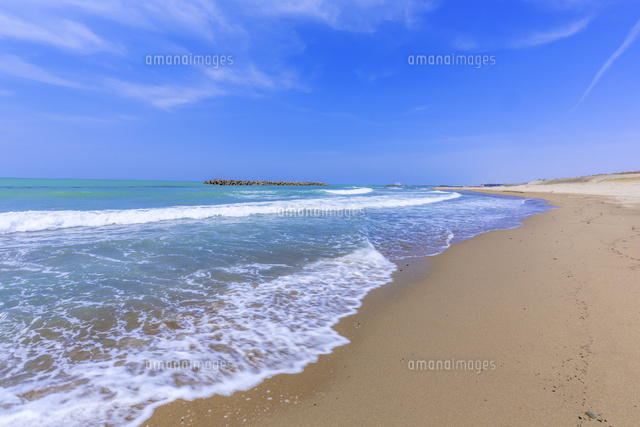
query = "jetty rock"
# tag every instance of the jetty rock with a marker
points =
(246, 182)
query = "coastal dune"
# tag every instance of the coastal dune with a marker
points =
(546, 317)
(622, 187)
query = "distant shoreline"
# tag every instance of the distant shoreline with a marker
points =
(245, 182)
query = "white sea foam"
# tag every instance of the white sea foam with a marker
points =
(78, 325)
(11, 222)
(258, 331)
(350, 192)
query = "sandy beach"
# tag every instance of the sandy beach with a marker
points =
(622, 188)
(545, 316)
(319, 213)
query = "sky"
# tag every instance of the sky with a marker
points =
(344, 92)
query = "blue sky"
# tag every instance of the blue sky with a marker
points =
(319, 90)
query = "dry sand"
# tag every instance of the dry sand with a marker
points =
(554, 305)
(620, 188)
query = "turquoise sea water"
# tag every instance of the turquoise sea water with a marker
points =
(119, 296)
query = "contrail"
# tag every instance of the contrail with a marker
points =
(633, 34)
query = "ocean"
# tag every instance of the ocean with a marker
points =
(119, 296)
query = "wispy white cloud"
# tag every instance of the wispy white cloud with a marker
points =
(65, 34)
(4, 92)
(89, 119)
(196, 15)
(567, 4)
(371, 77)
(206, 84)
(210, 18)
(631, 37)
(213, 83)
(14, 66)
(252, 78)
(359, 15)
(463, 43)
(164, 96)
(84, 27)
(541, 38)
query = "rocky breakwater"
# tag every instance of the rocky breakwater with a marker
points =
(245, 182)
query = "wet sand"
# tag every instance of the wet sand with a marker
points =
(550, 310)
